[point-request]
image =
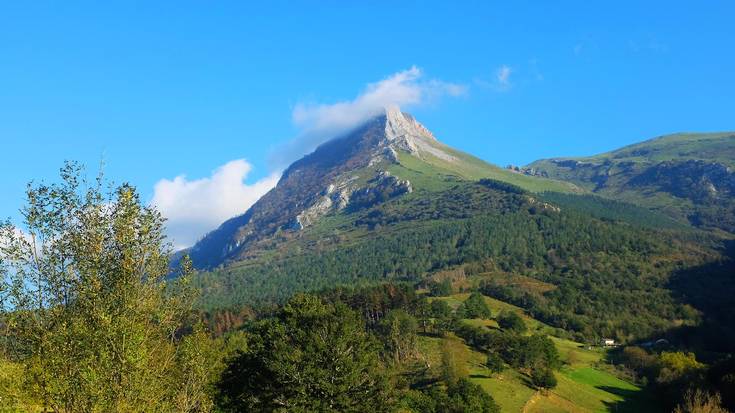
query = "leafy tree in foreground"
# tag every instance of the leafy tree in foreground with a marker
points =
(313, 357)
(85, 301)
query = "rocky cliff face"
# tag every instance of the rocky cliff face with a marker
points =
(346, 172)
(699, 181)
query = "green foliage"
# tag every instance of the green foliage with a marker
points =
(511, 321)
(675, 365)
(502, 186)
(199, 362)
(398, 330)
(524, 352)
(474, 307)
(14, 394)
(442, 317)
(533, 351)
(463, 396)
(312, 357)
(495, 363)
(543, 378)
(441, 288)
(86, 305)
(609, 209)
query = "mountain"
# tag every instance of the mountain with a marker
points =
(690, 177)
(388, 156)
(388, 202)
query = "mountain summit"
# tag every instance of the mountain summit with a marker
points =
(374, 162)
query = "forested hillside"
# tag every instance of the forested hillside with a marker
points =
(610, 277)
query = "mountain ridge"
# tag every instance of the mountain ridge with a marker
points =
(690, 177)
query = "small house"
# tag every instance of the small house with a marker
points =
(607, 342)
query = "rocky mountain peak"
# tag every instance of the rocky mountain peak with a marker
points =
(349, 171)
(404, 133)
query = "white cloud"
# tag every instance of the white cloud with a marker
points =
(195, 207)
(321, 122)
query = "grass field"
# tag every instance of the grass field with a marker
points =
(431, 173)
(584, 382)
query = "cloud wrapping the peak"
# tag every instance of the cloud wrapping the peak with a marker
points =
(195, 207)
(320, 122)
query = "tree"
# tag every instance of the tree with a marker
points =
(398, 329)
(511, 321)
(465, 396)
(535, 352)
(474, 307)
(675, 365)
(543, 378)
(454, 360)
(699, 401)
(441, 288)
(442, 314)
(460, 397)
(86, 300)
(495, 363)
(311, 357)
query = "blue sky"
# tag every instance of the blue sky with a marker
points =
(166, 89)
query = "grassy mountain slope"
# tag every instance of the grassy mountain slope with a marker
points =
(713, 147)
(689, 177)
(586, 382)
(431, 170)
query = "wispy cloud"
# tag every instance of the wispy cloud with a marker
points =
(500, 80)
(195, 207)
(320, 122)
(502, 76)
